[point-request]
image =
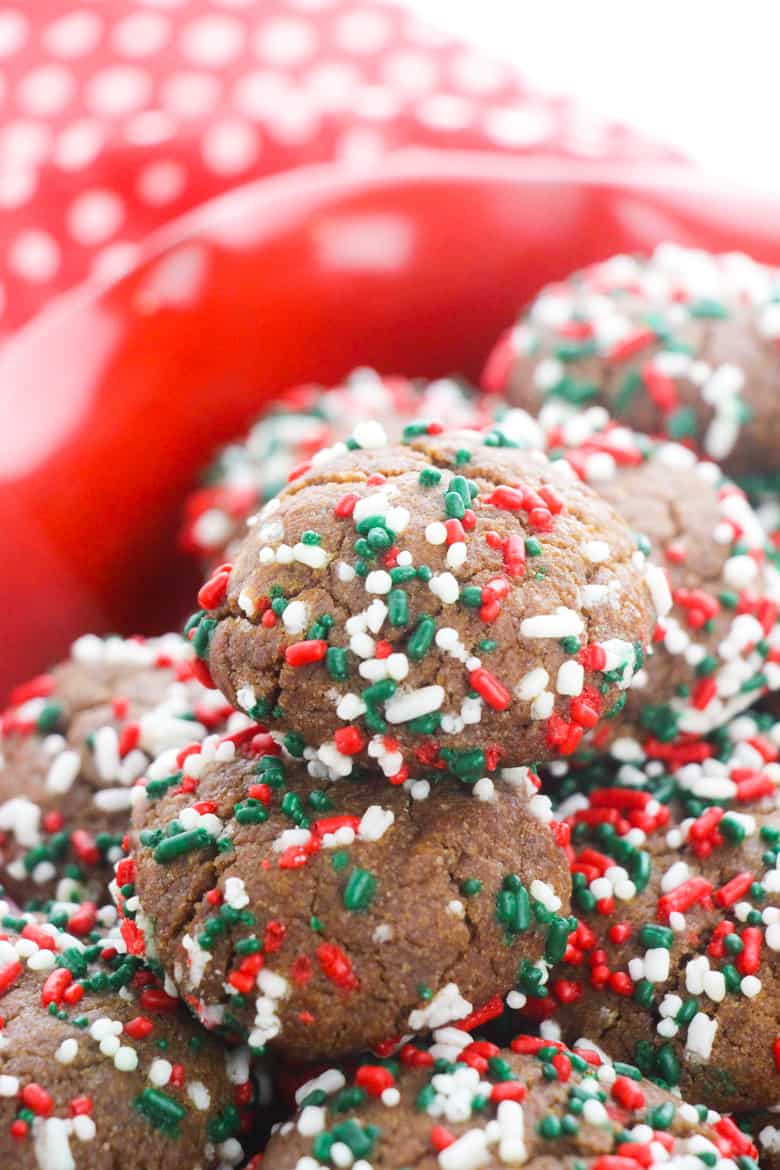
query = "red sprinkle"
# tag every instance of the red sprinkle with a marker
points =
(306, 653)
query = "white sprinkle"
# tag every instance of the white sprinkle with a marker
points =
(295, 617)
(402, 708)
(563, 623)
(570, 679)
(596, 551)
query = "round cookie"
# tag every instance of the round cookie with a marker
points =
(683, 344)
(463, 1104)
(247, 474)
(100, 1067)
(73, 742)
(323, 921)
(718, 648)
(454, 602)
(677, 886)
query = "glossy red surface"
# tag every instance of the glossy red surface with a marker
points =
(111, 402)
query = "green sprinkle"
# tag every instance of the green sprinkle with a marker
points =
(429, 477)
(470, 886)
(397, 607)
(336, 662)
(360, 889)
(173, 847)
(420, 640)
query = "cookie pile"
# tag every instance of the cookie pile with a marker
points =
(455, 806)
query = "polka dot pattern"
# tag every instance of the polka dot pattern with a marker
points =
(117, 117)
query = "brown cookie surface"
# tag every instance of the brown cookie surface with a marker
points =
(100, 1068)
(459, 1104)
(449, 603)
(320, 921)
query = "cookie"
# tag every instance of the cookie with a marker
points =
(463, 1104)
(100, 1067)
(451, 603)
(320, 921)
(718, 648)
(73, 742)
(247, 474)
(683, 344)
(677, 886)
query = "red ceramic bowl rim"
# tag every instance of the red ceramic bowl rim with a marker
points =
(392, 171)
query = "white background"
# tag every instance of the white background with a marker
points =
(703, 76)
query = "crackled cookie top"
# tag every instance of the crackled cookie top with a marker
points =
(73, 742)
(676, 880)
(453, 602)
(100, 1067)
(324, 920)
(683, 344)
(463, 1104)
(247, 474)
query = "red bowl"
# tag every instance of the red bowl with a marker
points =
(112, 401)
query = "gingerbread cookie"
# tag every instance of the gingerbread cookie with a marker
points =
(463, 1104)
(683, 344)
(452, 603)
(320, 921)
(73, 742)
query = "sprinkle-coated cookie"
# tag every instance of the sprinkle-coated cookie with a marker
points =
(677, 886)
(247, 474)
(451, 603)
(464, 1104)
(324, 920)
(73, 742)
(100, 1067)
(684, 344)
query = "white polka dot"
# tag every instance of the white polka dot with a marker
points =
(141, 34)
(149, 128)
(295, 121)
(34, 255)
(360, 146)
(229, 146)
(363, 31)
(212, 40)
(114, 261)
(46, 90)
(445, 111)
(95, 217)
(312, 5)
(119, 89)
(17, 187)
(78, 144)
(477, 73)
(586, 135)
(74, 34)
(189, 94)
(411, 71)
(517, 125)
(23, 142)
(161, 182)
(168, 4)
(13, 32)
(285, 42)
(376, 103)
(331, 84)
(259, 93)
